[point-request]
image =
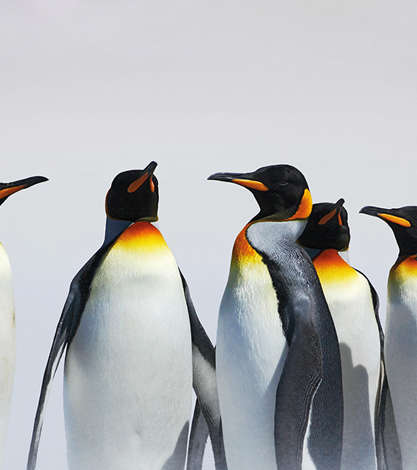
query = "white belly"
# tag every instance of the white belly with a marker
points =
(351, 307)
(401, 362)
(250, 353)
(7, 344)
(128, 375)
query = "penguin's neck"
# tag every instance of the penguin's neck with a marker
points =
(315, 252)
(264, 236)
(114, 228)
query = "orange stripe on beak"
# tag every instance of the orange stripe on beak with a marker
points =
(396, 220)
(151, 184)
(8, 191)
(137, 183)
(327, 217)
(251, 184)
(305, 207)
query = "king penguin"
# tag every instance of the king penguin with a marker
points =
(7, 317)
(277, 355)
(353, 304)
(134, 346)
(401, 327)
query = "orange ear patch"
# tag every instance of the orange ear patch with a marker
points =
(8, 191)
(251, 184)
(395, 220)
(305, 207)
(327, 217)
(137, 183)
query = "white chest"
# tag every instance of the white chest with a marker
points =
(250, 353)
(351, 307)
(128, 380)
(401, 361)
(7, 343)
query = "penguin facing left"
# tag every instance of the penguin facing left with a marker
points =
(277, 356)
(134, 346)
(7, 318)
(401, 326)
(368, 428)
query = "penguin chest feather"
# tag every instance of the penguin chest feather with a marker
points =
(251, 351)
(128, 376)
(349, 298)
(401, 354)
(7, 343)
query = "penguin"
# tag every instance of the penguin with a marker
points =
(277, 355)
(401, 326)
(7, 317)
(353, 303)
(134, 346)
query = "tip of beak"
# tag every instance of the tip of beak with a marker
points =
(340, 202)
(28, 182)
(370, 210)
(151, 167)
(219, 177)
(42, 179)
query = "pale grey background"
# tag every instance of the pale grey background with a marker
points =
(90, 88)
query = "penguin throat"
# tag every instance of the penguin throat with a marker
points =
(315, 252)
(114, 228)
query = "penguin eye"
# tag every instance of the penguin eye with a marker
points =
(283, 183)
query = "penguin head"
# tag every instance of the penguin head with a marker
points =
(7, 189)
(403, 222)
(327, 227)
(280, 190)
(134, 195)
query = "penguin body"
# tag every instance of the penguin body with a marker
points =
(401, 327)
(349, 298)
(401, 353)
(251, 350)
(277, 358)
(7, 344)
(353, 303)
(135, 347)
(135, 320)
(7, 318)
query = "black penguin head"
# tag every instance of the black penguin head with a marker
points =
(134, 195)
(7, 189)
(327, 227)
(403, 222)
(280, 190)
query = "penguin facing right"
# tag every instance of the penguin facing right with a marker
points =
(401, 326)
(7, 316)
(277, 356)
(353, 302)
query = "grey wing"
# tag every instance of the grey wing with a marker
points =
(300, 379)
(386, 436)
(198, 439)
(204, 380)
(65, 331)
(59, 344)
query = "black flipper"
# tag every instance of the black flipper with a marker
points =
(299, 381)
(387, 444)
(204, 380)
(65, 331)
(312, 374)
(198, 439)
